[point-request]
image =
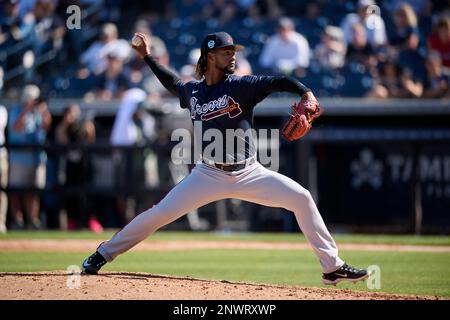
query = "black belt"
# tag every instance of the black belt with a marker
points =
(232, 167)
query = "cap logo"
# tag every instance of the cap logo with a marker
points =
(211, 44)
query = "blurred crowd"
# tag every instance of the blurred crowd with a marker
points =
(345, 48)
(355, 48)
(41, 151)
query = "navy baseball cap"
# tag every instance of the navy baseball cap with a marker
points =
(218, 40)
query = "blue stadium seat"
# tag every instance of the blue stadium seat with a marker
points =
(73, 87)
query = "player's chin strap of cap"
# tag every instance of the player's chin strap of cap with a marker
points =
(231, 166)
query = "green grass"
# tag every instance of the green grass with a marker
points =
(274, 237)
(420, 273)
(417, 273)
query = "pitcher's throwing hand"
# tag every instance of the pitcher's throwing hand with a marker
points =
(141, 43)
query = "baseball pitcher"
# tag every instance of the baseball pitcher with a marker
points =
(220, 100)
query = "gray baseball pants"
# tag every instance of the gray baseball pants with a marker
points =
(254, 183)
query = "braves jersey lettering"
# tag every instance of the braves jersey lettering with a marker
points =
(216, 108)
(198, 109)
(226, 105)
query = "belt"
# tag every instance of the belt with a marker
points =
(232, 167)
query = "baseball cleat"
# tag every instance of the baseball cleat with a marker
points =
(93, 263)
(345, 273)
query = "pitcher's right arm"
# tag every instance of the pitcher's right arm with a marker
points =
(167, 78)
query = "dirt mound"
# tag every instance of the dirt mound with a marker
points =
(144, 286)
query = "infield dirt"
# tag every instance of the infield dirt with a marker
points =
(144, 286)
(139, 286)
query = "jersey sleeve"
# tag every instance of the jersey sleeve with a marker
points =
(166, 76)
(183, 90)
(170, 81)
(259, 87)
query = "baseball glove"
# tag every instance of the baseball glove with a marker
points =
(301, 119)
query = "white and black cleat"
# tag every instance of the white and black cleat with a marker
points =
(93, 263)
(345, 273)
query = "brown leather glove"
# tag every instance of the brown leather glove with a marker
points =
(301, 119)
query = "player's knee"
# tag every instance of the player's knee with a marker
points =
(146, 214)
(301, 199)
(298, 199)
(307, 195)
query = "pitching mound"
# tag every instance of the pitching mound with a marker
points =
(144, 286)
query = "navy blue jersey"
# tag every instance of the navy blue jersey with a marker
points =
(225, 109)
(227, 104)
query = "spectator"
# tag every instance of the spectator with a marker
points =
(14, 29)
(395, 82)
(125, 131)
(49, 29)
(48, 37)
(437, 84)
(312, 21)
(72, 130)
(439, 40)
(405, 42)
(3, 169)
(131, 127)
(388, 84)
(425, 20)
(218, 12)
(112, 83)
(28, 124)
(313, 12)
(25, 7)
(359, 50)
(412, 83)
(287, 51)
(406, 33)
(94, 59)
(135, 73)
(330, 52)
(13, 26)
(372, 22)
